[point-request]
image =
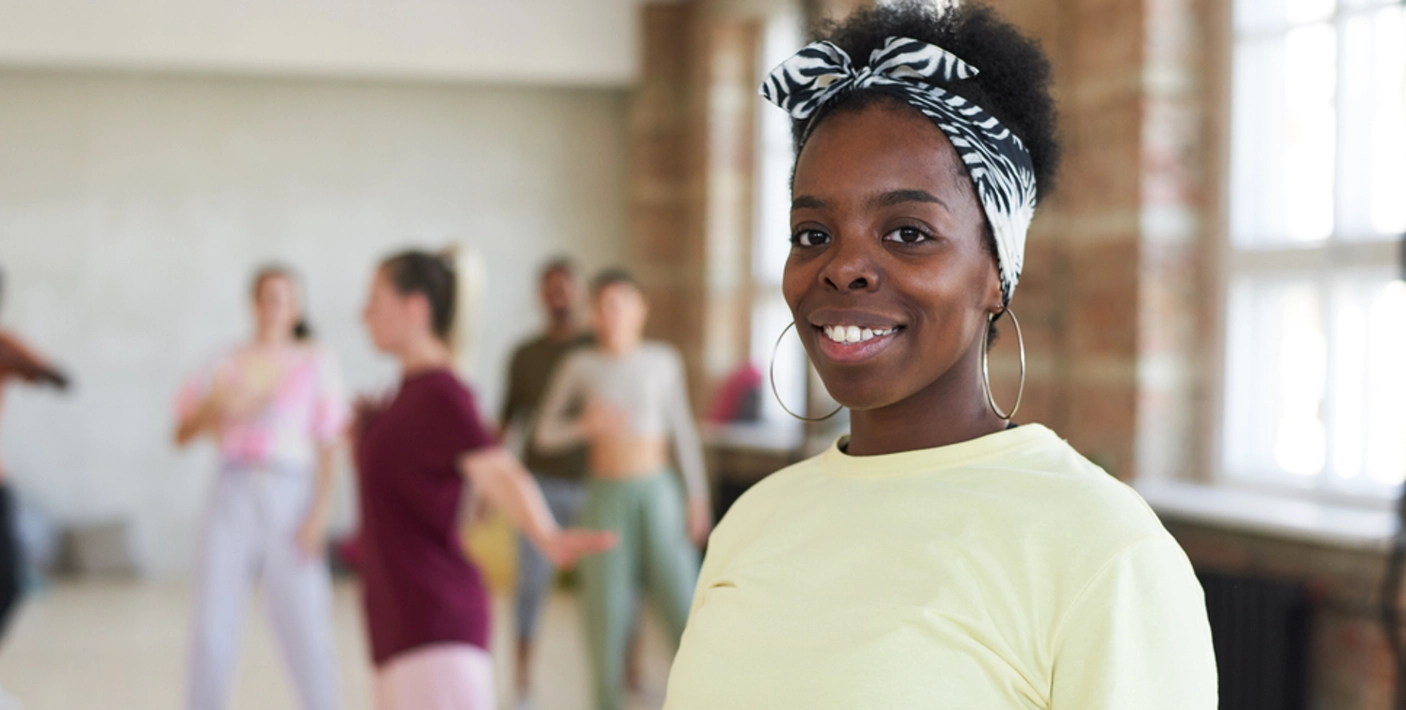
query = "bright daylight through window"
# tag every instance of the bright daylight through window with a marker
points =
(1315, 369)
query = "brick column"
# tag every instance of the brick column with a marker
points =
(666, 241)
(731, 47)
(692, 131)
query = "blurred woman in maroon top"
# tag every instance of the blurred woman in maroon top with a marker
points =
(427, 608)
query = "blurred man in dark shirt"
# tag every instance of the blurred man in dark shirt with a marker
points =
(533, 363)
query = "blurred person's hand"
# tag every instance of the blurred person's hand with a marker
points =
(238, 401)
(364, 409)
(601, 420)
(565, 547)
(700, 520)
(311, 537)
(480, 507)
(502, 480)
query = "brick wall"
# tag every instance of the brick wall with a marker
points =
(692, 130)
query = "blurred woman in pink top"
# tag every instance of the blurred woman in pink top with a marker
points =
(276, 409)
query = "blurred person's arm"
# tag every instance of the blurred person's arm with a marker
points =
(205, 418)
(556, 430)
(688, 449)
(331, 421)
(497, 475)
(18, 358)
(312, 533)
(214, 397)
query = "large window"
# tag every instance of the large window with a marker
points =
(1315, 375)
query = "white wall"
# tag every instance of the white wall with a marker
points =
(133, 209)
(578, 42)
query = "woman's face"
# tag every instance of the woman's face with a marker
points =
(276, 307)
(390, 317)
(620, 313)
(889, 278)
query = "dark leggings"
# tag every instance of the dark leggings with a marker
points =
(9, 558)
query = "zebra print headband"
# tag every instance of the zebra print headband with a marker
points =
(915, 71)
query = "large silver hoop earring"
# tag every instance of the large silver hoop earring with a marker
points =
(986, 373)
(771, 371)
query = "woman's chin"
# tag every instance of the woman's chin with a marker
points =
(858, 396)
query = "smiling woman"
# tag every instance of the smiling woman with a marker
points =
(938, 555)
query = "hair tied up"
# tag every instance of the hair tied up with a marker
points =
(449, 256)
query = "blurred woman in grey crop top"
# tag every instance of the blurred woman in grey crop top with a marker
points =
(627, 400)
(647, 392)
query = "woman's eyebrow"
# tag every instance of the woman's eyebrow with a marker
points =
(894, 197)
(883, 199)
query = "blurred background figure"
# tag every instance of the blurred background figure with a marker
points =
(275, 408)
(559, 475)
(427, 607)
(633, 407)
(18, 363)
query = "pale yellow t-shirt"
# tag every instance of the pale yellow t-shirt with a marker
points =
(1003, 572)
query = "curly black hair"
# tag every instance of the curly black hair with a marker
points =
(1013, 82)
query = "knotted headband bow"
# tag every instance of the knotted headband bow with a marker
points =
(995, 158)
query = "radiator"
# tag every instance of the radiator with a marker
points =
(1260, 629)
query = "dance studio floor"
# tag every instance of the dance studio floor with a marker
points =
(121, 645)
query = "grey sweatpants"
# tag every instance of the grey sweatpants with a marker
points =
(250, 536)
(534, 572)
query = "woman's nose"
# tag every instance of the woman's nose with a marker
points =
(851, 266)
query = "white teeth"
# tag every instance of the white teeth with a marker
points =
(850, 334)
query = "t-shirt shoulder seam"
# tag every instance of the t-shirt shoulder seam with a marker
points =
(782, 477)
(1095, 578)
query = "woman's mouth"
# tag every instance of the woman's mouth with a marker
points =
(849, 344)
(851, 334)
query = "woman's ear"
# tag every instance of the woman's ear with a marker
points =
(994, 300)
(418, 306)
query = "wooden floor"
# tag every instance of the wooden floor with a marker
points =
(122, 645)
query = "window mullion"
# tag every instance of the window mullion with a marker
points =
(1328, 296)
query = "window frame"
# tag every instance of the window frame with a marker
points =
(1323, 261)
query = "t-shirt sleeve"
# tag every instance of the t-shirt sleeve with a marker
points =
(1137, 637)
(455, 425)
(688, 448)
(331, 412)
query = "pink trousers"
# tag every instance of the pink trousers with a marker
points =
(446, 676)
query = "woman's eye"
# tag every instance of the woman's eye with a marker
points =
(810, 238)
(908, 235)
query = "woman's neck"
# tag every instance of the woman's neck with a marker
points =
(621, 349)
(424, 355)
(272, 339)
(951, 410)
